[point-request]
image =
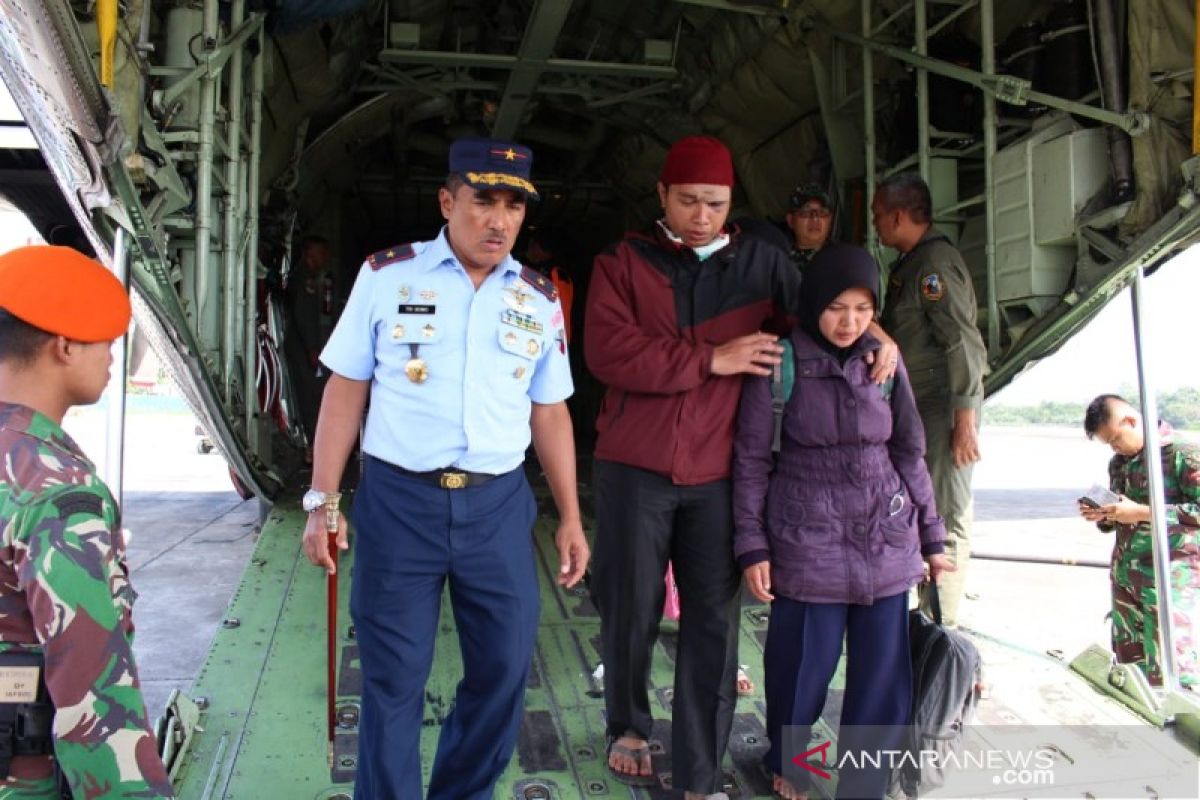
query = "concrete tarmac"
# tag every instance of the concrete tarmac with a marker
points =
(190, 536)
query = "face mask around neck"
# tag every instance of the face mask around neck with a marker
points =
(702, 252)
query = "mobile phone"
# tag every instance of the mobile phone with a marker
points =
(1098, 496)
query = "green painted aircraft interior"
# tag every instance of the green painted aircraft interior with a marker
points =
(263, 688)
(262, 734)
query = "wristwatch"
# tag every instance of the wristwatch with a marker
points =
(315, 500)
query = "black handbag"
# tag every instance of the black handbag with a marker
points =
(946, 670)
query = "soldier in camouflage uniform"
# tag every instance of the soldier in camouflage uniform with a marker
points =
(1135, 632)
(930, 311)
(65, 595)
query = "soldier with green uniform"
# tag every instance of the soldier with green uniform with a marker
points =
(1135, 632)
(930, 311)
(72, 719)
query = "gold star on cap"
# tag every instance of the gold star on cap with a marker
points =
(510, 154)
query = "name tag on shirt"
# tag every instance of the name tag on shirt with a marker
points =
(18, 684)
(411, 309)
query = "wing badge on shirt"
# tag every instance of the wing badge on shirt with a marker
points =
(516, 298)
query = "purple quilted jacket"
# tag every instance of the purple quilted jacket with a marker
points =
(845, 511)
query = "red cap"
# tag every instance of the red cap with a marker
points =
(698, 159)
(62, 291)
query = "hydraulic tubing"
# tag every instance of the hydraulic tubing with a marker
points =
(1196, 81)
(922, 92)
(987, 32)
(1028, 558)
(1158, 512)
(206, 299)
(254, 146)
(1015, 90)
(235, 199)
(1116, 98)
(868, 93)
(114, 446)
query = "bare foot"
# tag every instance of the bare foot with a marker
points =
(745, 686)
(630, 755)
(784, 789)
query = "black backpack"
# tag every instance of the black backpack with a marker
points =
(946, 670)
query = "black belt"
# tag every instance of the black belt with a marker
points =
(448, 478)
(25, 726)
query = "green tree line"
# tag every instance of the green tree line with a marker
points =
(1181, 408)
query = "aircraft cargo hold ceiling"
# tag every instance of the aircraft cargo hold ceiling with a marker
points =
(598, 88)
(222, 136)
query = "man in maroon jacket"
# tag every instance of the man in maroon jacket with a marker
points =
(676, 315)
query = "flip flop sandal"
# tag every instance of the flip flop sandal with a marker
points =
(636, 754)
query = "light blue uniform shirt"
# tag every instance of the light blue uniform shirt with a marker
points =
(488, 353)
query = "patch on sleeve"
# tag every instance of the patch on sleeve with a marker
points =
(932, 287)
(78, 503)
(540, 282)
(401, 252)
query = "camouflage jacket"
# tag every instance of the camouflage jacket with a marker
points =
(1181, 480)
(64, 591)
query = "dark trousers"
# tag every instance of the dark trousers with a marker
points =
(410, 538)
(642, 520)
(804, 643)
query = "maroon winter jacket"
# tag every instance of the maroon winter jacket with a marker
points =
(655, 314)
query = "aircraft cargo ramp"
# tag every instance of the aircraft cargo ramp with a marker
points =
(259, 729)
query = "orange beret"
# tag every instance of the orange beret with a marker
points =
(59, 290)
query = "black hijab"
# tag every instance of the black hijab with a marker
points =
(833, 270)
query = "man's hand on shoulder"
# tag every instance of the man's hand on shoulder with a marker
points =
(753, 354)
(883, 361)
(573, 552)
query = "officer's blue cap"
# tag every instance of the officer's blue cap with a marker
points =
(492, 164)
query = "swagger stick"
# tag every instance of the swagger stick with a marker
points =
(331, 601)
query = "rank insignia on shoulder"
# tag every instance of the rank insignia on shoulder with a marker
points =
(932, 288)
(543, 285)
(401, 252)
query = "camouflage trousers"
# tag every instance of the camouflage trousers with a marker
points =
(1135, 630)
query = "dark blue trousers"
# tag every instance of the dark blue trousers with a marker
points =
(410, 538)
(804, 643)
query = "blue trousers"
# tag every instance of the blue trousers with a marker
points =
(804, 643)
(410, 538)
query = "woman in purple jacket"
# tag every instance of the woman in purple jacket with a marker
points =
(832, 530)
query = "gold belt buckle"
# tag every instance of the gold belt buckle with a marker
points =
(453, 480)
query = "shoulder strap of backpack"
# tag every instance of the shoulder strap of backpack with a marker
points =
(783, 380)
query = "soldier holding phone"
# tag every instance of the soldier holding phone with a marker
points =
(1111, 420)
